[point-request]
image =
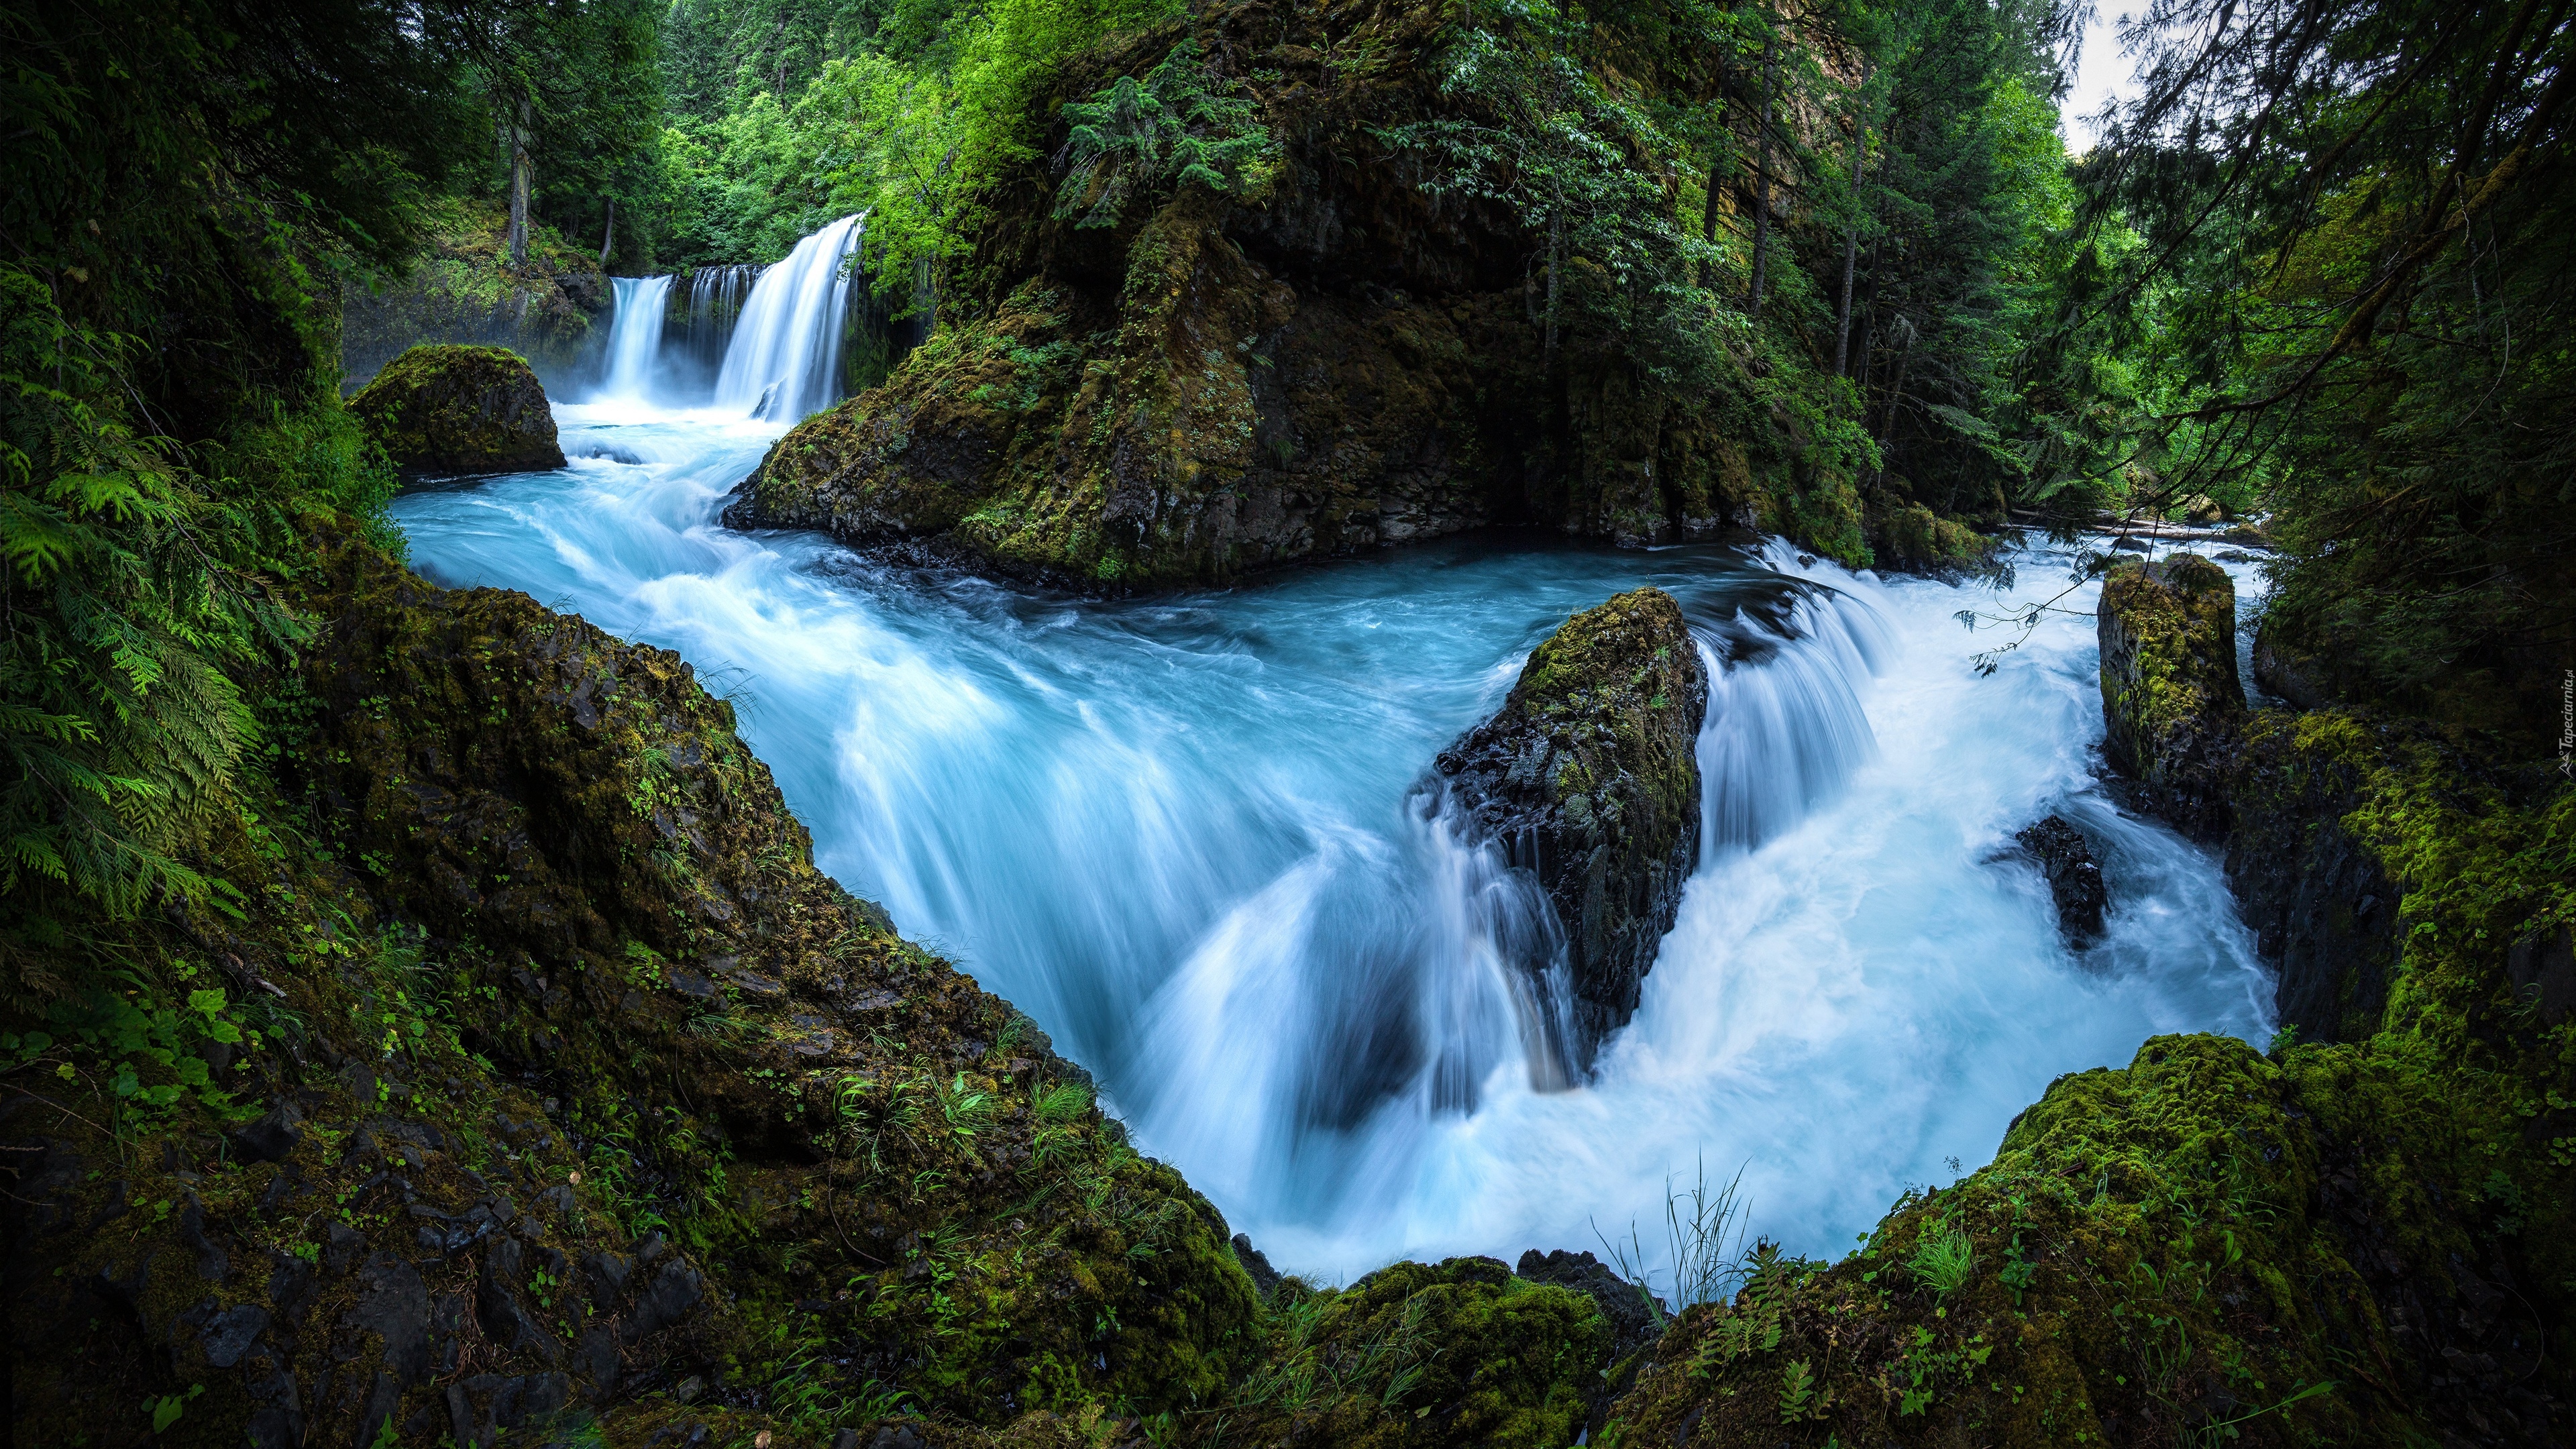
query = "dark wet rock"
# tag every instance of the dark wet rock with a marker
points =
(342, 1247)
(1633, 1323)
(2543, 972)
(2171, 699)
(1264, 1277)
(224, 1337)
(2074, 880)
(675, 1291)
(212, 1261)
(2286, 672)
(459, 410)
(273, 1136)
(2126, 544)
(1588, 777)
(481, 1409)
(2320, 903)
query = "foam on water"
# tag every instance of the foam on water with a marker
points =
(1192, 837)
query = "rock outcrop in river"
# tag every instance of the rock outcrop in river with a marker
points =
(2074, 880)
(2170, 695)
(1588, 777)
(1321, 359)
(452, 410)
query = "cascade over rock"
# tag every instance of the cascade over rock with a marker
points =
(1588, 777)
(445, 409)
(2170, 695)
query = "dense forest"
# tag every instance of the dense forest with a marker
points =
(422, 1019)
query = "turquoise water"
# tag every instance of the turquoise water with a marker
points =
(1187, 835)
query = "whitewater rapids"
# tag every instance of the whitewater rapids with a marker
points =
(1183, 834)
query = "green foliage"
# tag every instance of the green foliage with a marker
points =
(1944, 1261)
(152, 1047)
(1137, 139)
(2348, 271)
(195, 178)
(125, 599)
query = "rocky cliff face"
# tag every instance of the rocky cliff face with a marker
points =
(1588, 778)
(451, 410)
(2170, 695)
(1323, 363)
(464, 289)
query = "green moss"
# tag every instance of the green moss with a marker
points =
(1461, 1352)
(447, 409)
(2347, 1244)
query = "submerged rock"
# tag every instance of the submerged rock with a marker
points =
(2074, 881)
(1588, 777)
(2171, 700)
(439, 409)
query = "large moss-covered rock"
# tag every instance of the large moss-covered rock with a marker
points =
(536, 1072)
(1424, 1356)
(2324, 1249)
(2316, 894)
(453, 410)
(1324, 359)
(1588, 777)
(2171, 699)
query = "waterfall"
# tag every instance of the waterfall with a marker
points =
(714, 303)
(784, 361)
(635, 336)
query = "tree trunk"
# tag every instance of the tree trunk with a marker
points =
(1555, 240)
(1895, 395)
(1851, 249)
(608, 234)
(1721, 165)
(1762, 179)
(519, 168)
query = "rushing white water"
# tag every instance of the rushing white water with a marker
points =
(784, 360)
(635, 336)
(1191, 836)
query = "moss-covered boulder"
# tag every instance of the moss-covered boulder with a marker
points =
(1424, 1356)
(459, 410)
(1588, 777)
(2171, 699)
(1325, 357)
